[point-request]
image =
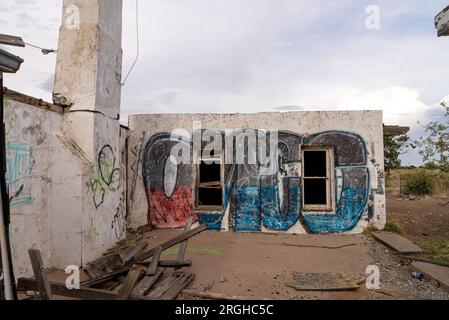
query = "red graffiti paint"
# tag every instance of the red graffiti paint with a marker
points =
(173, 212)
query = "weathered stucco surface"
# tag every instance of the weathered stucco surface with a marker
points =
(88, 80)
(30, 134)
(306, 127)
(70, 207)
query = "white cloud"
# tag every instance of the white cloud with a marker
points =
(246, 56)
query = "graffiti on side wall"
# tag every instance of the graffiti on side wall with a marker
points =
(118, 224)
(107, 176)
(255, 198)
(18, 174)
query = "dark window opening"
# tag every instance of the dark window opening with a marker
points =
(317, 179)
(209, 184)
(315, 192)
(315, 164)
(210, 173)
(210, 197)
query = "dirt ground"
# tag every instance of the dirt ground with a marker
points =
(421, 218)
(257, 266)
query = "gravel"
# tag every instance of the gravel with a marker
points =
(396, 272)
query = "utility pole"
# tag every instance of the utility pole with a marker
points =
(9, 64)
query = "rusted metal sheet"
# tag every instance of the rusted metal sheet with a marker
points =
(11, 40)
(9, 63)
(442, 22)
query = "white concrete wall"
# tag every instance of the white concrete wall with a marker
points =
(367, 124)
(88, 82)
(31, 134)
(51, 184)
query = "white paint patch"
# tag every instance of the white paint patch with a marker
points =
(170, 176)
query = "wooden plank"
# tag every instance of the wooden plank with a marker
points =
(178, 286)
(43, 285)
(183, 245)
(133, 277)
(141, 259)
(152, 268)
(175, 263)
(83, 293)
(147, 283)
(129, 253)
(173, 242)
(96, 268)
(157, 292)
(322, 282)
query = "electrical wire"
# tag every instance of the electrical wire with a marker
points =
(43, 50)
(138, 44)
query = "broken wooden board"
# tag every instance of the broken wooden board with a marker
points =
(322, 282)
(43, 285)
(129, 253)
(147, 283)
(177, 286)
(152, 268)
(171, 287)
(131, 280)
(434, 272)
(142, 259)
(397, 243)
(83, 293)
(175, 263)
(183, 245)
(96, 268)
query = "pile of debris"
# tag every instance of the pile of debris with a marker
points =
(132, 270)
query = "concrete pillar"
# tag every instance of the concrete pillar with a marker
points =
(88, 79)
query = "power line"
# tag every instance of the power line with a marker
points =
(43, 50)
(138, 44)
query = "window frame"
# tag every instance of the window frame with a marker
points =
(198, 160)
(330, 180)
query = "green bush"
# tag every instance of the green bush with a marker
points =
(420, 183)
(444, 181)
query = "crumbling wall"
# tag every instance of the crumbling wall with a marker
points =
(64, 203)
(253, 200)
(30, 133)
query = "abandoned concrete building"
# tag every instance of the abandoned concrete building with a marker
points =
(78, 180)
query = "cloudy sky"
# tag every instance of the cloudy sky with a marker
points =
(264, 55)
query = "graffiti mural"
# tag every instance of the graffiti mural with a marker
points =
(107, 176)
(168, 185)
(255, 198)
(18, 174)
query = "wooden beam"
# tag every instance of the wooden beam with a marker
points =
(133, 277)
(177, 287)
(128, 254)
(173, 242)
(183, 245)
(141, 259)
(145, 285)
(83, 293)
(175, 263)
(152, 268)
(39, 273)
